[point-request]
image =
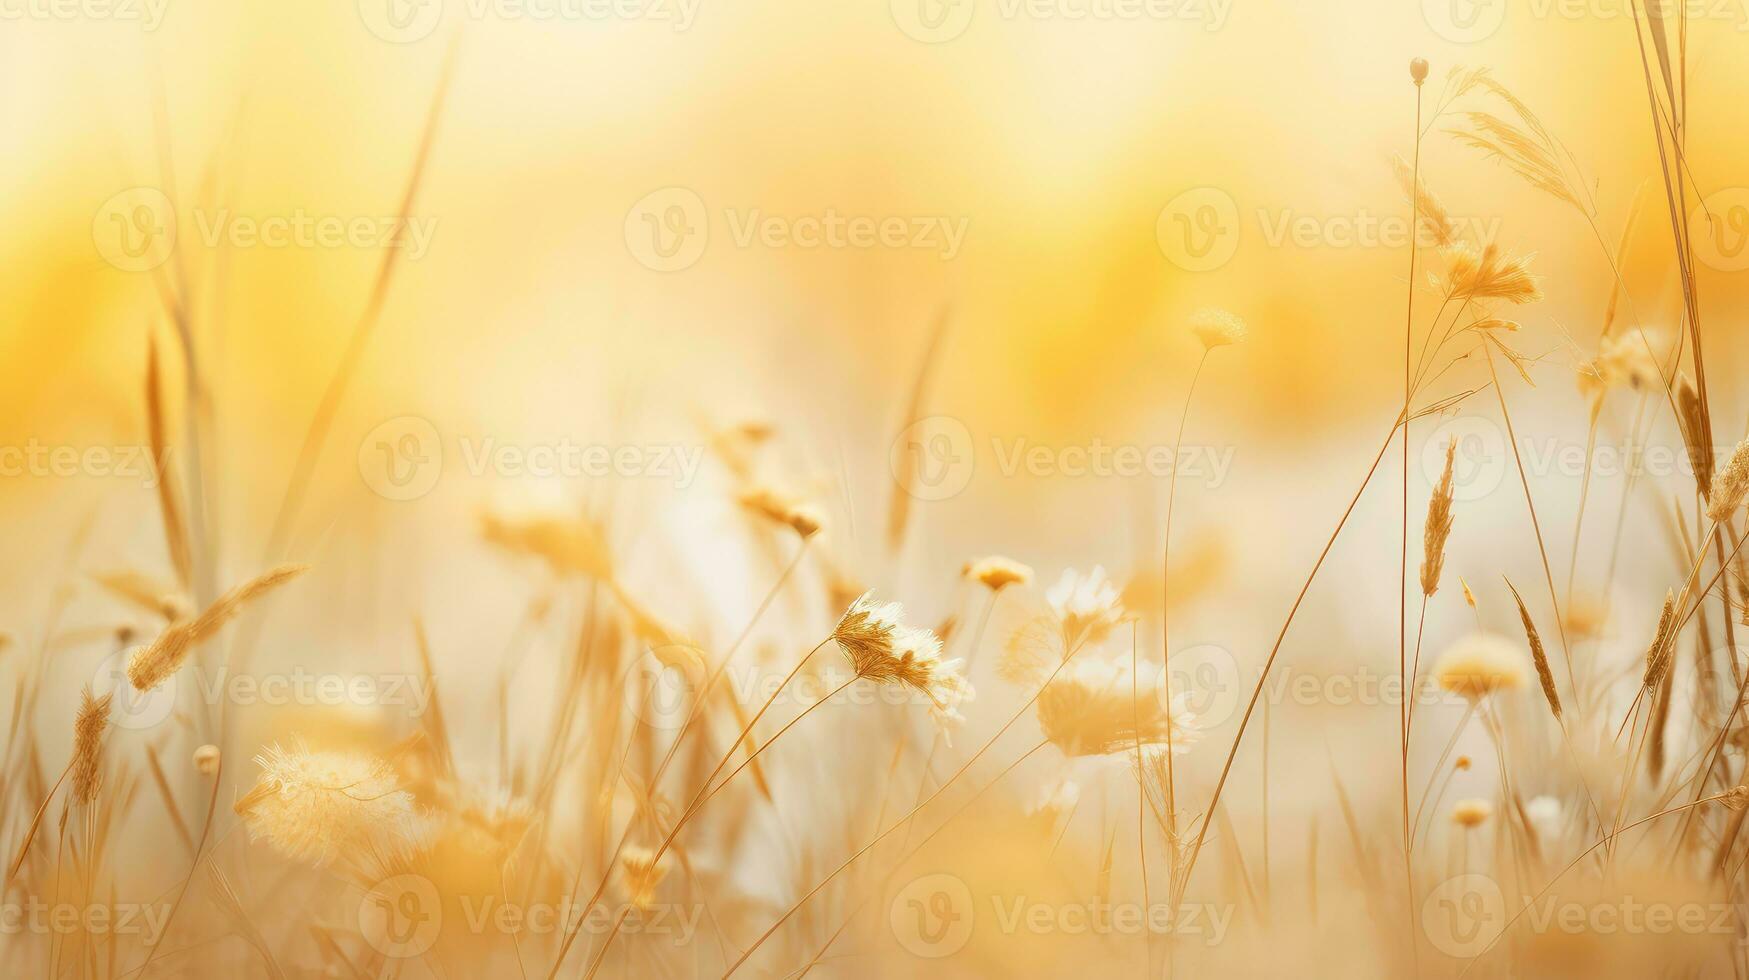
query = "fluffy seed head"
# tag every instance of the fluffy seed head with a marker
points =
(1478, 665)
(1091, 709)
(882, 649)
(1217, 328)
(1471, 812)
(997, 572)
(320, 807)
(1087, 607)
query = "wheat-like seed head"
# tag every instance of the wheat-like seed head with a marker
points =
(569, 545)
(782, 508)
(1438, 529)
(1434, 217)
(1730, 485)
(1538, 655)
(1659, 653)
(152, 664)
(88, 726)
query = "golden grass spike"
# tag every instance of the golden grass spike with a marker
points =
(1434, 217)
(1658, 654)
(1729, 485)
(88, 728)
(1691, 419)
(164, 656)
(1538, 656)
(1438, 527)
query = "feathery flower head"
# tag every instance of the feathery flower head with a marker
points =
(997, 572)
(1217, 328)
(1478, 665)
(1087, 607)
(643, 873)
(1490, 274)
(882, 649)
(1091, 709)
(319, 807)
(1471, 813)
(1633, 358)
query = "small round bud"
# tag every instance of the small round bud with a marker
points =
(206, 759)
(1418, 70)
